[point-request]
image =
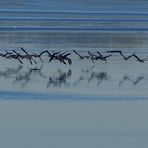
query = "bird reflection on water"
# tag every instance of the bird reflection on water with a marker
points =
(64, 78)
(60, 80)
(10, 71)
(129, 79)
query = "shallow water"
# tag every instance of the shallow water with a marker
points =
(73, 124)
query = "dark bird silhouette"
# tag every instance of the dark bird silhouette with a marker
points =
(128, 57)
(78, 54)
(81, 57)
(138, 59)
(14, 56)
(27, 56)
(103, 57)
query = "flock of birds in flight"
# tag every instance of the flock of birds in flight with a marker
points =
(64, 57)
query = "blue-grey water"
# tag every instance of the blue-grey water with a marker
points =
(87, 5)
(98, 105)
